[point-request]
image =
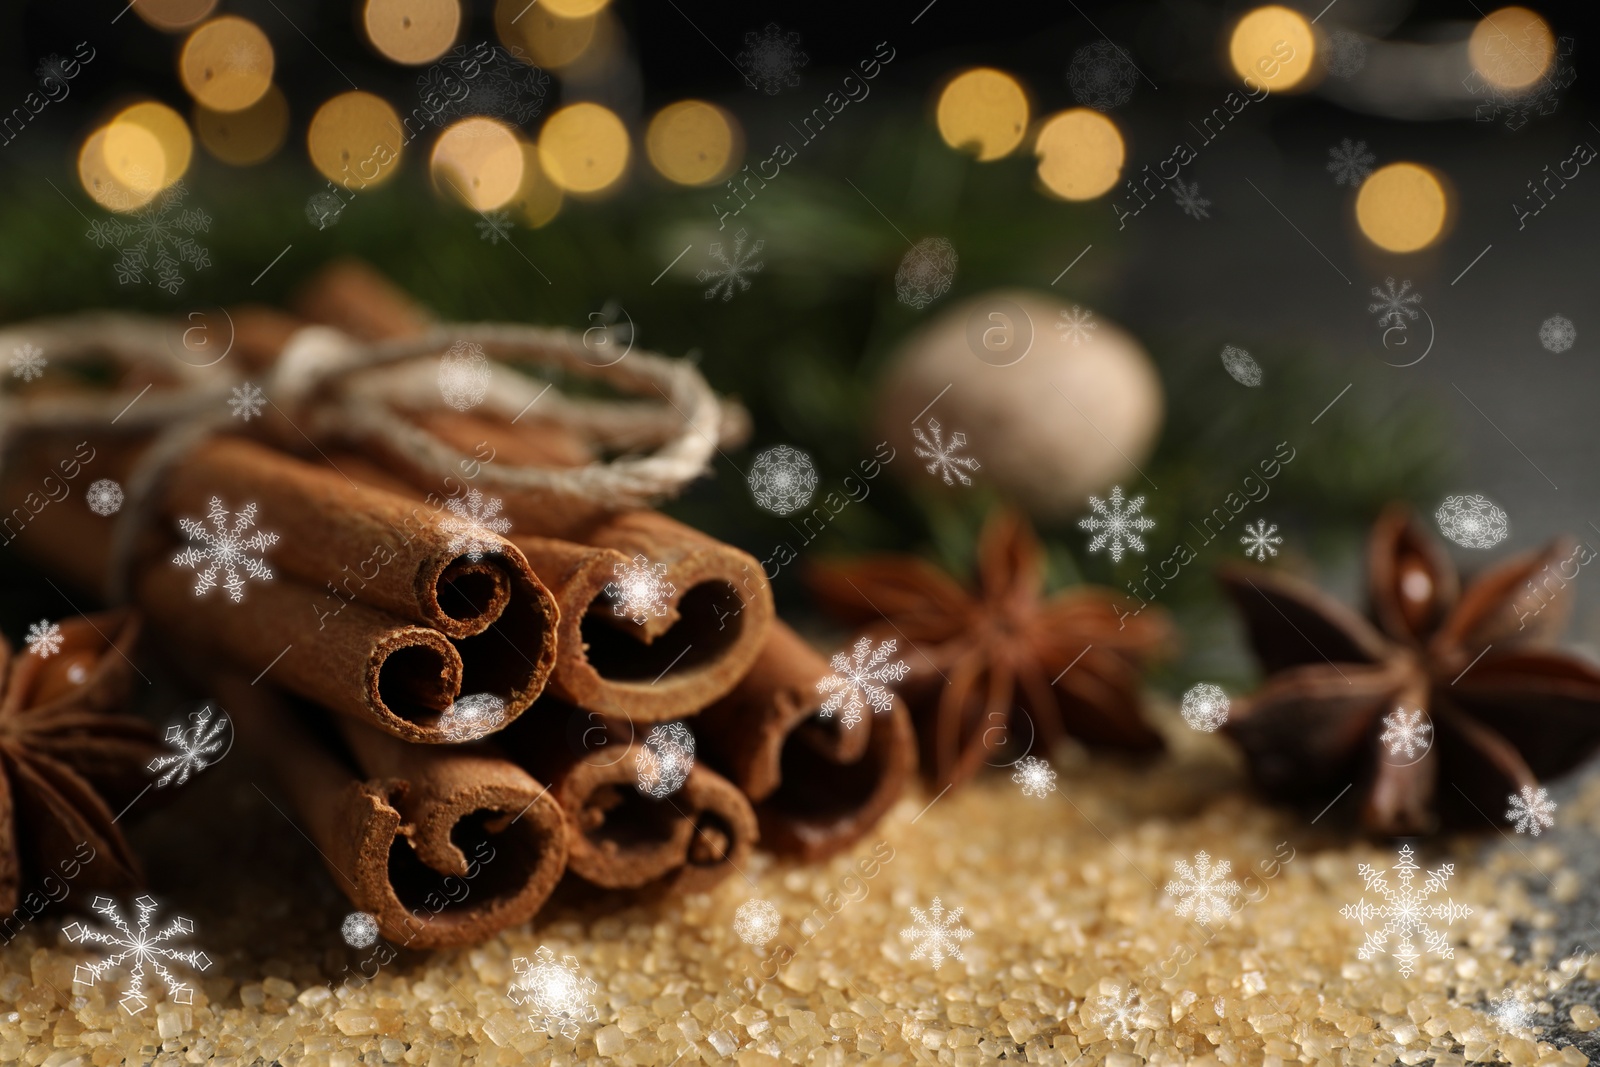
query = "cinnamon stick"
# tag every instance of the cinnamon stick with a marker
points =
(443, 846)
(618, 836)
(817, 786)
(672, 665)
(487, 626)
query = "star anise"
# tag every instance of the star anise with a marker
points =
(1000, 667)
(1499, 709)
(66, 757)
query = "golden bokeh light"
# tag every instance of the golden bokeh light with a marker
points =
(478, 161)
(412, 31)
(173, 15)
(984, 111)
(575, 9)
(1402, 207)
(162, 123)
(539, 199)
(244, 138)
(1512, 48)
(226, 64)
(1274, 47)
(692, 142)
(1080, 154)
(355, 140)
(126, 174)
(583, 148)
(544, 35)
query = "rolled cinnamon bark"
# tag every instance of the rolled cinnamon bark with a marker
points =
(671, 666)
(444, 846)
(618, 836)
(496, 621)
(817, 786)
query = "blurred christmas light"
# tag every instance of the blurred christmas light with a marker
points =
(1080, 154)
(140, 167)
(692, 142)
(412, 31)
(243, 138)
(1274, 47)
(539, 199)
(1512, 48)
(479, 162)
(983, 111)
(1402, 207)
(226, 64)
(583, 148)
(355, 139)
(539, 30)
(173, 15)
(575, 9)
(169, 130)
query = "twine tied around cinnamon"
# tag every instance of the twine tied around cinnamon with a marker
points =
(329, 384)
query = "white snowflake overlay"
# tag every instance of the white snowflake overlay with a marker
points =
(472, 525)
(1513, 1010)
(771, 60)
(665, 760)
(1531, 810)
(757, 921)
(471, 717)
(1346, 54)
(1118, 1013)
(464, 375)
(104, 497)
(1036, 777)
(225, 549)
(1349, 162)
(1241, 366)
(734, 268)
(359, 929)
(1205, 707)
(1405, 912)
(1259, 540)
(142, 947)
(495, 226)
(1189, 199)
(27, 361)
(1542, 97)
(1471, 521)
(857, 681)
(1102, 76)
(43, 638)
(323, 209)
(247, 401)
(559, 998)
(1394, 305)
(640, 590)
(1406, 733)
(195, 745)
(1557, 334)
(935, 935)
(1204, 890)
(783, 479)
(504, 84)
(926, 272)
(157, 236)
(941, 456)
(1116, 527)
(1075, 325)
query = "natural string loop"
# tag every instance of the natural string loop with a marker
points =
(331, 385)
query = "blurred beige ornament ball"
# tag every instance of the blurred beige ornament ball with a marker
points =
(1054, 410)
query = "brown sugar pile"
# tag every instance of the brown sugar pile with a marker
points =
(1076, 955)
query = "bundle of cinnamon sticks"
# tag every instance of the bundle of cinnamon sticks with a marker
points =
(453, 687)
